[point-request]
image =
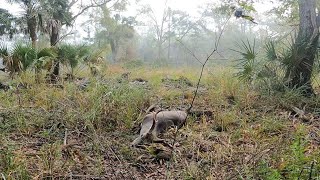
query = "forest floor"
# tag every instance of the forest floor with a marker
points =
(82, 129)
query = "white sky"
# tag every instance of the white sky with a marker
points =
(187, 5)
(190, 6)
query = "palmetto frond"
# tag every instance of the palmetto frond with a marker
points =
(3, 50)
(24, 57)
(68, 55)
(44, 57)
(47, 52)
(24, 54)
(94, 57)
(247, 63)
(271, 53)
(83, 51)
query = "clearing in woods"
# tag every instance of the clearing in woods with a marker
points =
(83, 128)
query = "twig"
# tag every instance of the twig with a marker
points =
(3, 177)
(65, 35)
(311, 168)
(175, 137)
(78, 176)
(87, 7)
(300, 174)
(201, 73)
(190, 52)
(65, 137)
(198, 84)
(239, 173)
(119, 161)
(204, 64)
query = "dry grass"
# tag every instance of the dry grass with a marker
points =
(51, 132)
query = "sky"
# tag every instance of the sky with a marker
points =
(157, 6)
(12, 8)
(187, 5)
(190, 6)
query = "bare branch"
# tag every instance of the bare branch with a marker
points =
(111, 7)
(92, 5)
(220, 35)
(190, 52)
(67, 34)
(204, 64)
(73, 2)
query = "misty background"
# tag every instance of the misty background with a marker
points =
(165, 32)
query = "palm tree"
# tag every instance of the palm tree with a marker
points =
(33, 19)
(55, 13)
(31, 16)
(58, 13)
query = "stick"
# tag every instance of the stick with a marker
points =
(311, 168)
(65, 137)
(203, 63)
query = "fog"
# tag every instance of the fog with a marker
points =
(165, 32)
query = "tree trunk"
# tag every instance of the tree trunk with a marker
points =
(54, 27)
(114, 49)
(305, 48)
(56, 63)
(32, 28)
(159, 50)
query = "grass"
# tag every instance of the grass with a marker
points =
(51, 132)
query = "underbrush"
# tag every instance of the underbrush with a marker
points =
(71, 131)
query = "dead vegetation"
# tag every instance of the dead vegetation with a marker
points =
(235, 132)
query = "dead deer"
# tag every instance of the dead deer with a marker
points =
(158, 122)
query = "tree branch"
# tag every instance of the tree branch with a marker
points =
(72, 3)
(67, 34)
(205, 62)
(88, 7)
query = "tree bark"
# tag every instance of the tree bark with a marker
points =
(54, 77)
(32, 28)
(305, 48)
(54, 31)
(114, 49)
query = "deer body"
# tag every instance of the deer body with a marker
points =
(155, 123)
